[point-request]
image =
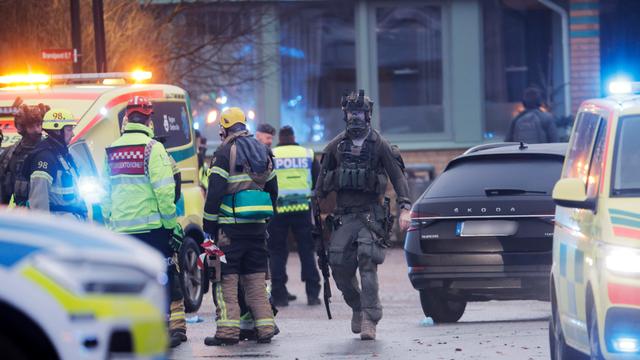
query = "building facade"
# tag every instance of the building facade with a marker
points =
(445, 75)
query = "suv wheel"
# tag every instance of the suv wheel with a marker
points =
(191, 277)
(594, 339)
(10, 350)
(439, 308)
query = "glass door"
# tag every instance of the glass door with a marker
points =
(409, 52)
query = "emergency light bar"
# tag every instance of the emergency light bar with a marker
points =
(136, 76)
(621, 87)
(24, 79)
(35, 79)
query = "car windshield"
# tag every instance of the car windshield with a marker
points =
(82, 157)
(626, 179)
(498, 176)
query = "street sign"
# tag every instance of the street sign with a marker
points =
(60, 55)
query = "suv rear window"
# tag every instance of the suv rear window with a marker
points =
(170, 123)
(471, 177)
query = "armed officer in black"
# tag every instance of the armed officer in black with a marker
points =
(356, 165)
(28, 122)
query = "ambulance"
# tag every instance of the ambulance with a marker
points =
(73, 290)
(595, 277)
(99, 101)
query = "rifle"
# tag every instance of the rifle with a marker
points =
(323, 258)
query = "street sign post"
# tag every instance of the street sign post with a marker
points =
(60, 55)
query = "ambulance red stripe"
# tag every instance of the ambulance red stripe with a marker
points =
(626, 232)
(624, 294)
(152, 94)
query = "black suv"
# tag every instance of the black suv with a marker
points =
(483, 230)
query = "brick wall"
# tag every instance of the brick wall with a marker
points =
(585, 51)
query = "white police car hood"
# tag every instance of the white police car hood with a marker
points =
(24, 234)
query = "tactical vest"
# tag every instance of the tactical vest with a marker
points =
(358, 168)
(245, 200)
(15, 182)
(293, 167)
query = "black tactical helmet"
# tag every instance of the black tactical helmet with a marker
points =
(357, 102)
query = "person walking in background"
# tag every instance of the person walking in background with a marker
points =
(532, 125)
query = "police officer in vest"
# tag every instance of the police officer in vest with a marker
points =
(242, 192)
(52, 172)
(13, 183)
(295, 167)
(141, 190)
(356, 165)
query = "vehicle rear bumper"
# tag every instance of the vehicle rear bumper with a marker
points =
(482, 276)
(483, 284)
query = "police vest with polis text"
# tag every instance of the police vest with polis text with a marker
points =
(293, 168)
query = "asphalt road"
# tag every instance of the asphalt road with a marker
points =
(489, 330)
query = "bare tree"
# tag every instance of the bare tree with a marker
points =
(198, 45)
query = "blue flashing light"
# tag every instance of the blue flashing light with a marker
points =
(292, 52)
(196, 126)
(626, 345)
(618, 87)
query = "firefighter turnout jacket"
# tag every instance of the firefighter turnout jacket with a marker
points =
(237, 194)
(53, 179)
(140, 183)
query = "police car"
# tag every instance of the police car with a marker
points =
(75, 291)
(595, 278)
(99, 101)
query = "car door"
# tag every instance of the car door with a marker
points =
(574, 230)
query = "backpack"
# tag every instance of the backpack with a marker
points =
(527, 127)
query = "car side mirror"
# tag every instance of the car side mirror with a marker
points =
(572, 193)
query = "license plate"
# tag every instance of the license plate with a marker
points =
(486, 228)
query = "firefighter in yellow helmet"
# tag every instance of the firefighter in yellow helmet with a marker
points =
(53, 175)
(242, 192)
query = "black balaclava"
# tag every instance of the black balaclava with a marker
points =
(357, 110)
(357, 124)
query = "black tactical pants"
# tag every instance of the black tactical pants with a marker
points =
(300, 224)
(353, 248)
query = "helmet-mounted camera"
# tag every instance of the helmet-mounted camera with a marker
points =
(357, 102)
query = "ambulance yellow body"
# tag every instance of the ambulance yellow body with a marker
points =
(595, 279)
(99, 101)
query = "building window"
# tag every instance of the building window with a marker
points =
(317, 64)
(410, 69)
(520, 50)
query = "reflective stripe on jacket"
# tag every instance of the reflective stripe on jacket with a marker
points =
(140, 184)
(293, 167)
(53, 180)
